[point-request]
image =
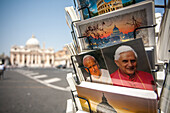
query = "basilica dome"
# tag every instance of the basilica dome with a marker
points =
(105, 107)
(32, 42)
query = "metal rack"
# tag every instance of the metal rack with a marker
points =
(90, 44)
(167, 65)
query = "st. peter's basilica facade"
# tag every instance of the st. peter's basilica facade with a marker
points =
(31, 55)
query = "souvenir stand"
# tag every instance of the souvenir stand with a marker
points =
(131, 23)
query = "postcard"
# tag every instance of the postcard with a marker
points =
(125, 64)
(118, 26)
(93, 67)
(98, 7)
(114, 99)
(128, 65)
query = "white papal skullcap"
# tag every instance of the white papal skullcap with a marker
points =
(121, 49)
(88, 56)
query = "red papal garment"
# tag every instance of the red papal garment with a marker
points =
(140, 79)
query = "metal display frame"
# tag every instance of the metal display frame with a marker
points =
(167, 65)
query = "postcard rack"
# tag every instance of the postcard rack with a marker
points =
(87, 103)
(161, 6)
(74, 36)
(76, 44)
(165, 87)
(85, 7)
(143, 27)
(74, 100)
(72, 24)
(73, 63)
(83, 67)
(74, 96)
(90, 44)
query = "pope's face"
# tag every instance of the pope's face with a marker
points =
(127, 63)
(93, 66)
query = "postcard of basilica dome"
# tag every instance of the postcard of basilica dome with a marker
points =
(118, 26)
(102, 98)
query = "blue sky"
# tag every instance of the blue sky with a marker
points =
(19, 19)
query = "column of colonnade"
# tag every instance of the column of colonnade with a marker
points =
(46, 59)
(23, 59)
(48, 62)
(32, 59)
(12, 58)
(39, 60)
(35, 59)
(28, 59)
(52, 59)
(18, 58)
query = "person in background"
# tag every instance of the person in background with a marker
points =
(2, 69)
